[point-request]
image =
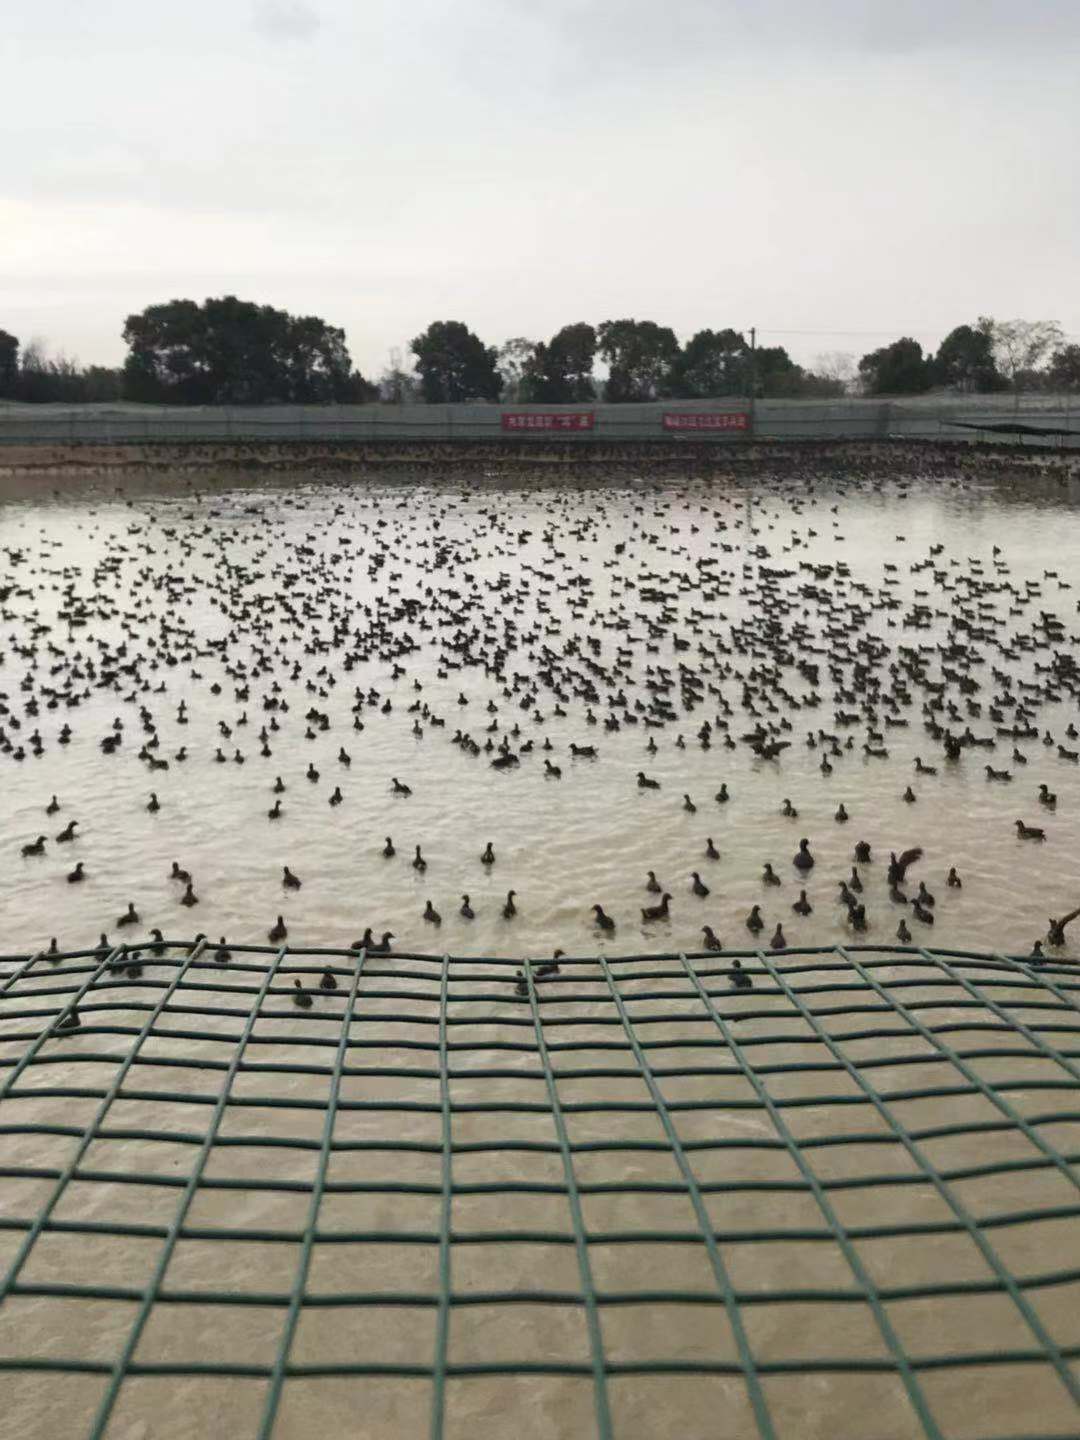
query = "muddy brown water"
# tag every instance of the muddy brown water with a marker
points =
(562, 845)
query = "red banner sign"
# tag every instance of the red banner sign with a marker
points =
(706, 420)
(548, 420)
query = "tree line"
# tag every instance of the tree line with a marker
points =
(233, 352)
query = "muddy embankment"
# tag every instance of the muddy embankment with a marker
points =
(629, 458)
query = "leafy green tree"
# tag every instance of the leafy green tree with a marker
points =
(1063, 372)
(229, 351)
(561, 371)
(712, 363)
(455, 364)
(965, 359)
(640, 356)
(100, 383)
(896, 369)
(776, 375)
(9, 365)
(815, 386)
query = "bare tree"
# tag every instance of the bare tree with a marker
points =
(1021, 346)
(514, 357)
(398, 386)
(837, 366)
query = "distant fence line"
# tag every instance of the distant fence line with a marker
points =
(1038, 419)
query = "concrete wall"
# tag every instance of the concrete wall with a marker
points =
(927, 418)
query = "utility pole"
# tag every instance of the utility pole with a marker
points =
(753, 378)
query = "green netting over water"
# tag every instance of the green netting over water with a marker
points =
(633, 1196)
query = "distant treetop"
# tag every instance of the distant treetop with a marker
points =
(233, 352)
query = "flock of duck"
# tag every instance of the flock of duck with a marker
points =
(556, 632)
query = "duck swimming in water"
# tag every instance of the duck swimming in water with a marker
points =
(711, 941)
(653, 885)
(605, 922)
(657, 912)
(509, 910)
(802, 905)
(1029, 832)
(488, 855)
(301, 998)
(769, 875)
(711, 852)
(76, 875)
(953, 879)
(130, 916)
(898, 866)
(289, 880)
(278, 932)
(778, 942)
(754, 922)
(466, 912)
(803, 860)
(431, 914)
(372, 946)
(740, 980)
(418, 861)
(1056, 934)
(698, 887)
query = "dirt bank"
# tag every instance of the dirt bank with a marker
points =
(623, 458)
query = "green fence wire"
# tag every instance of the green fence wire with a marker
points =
(798, 1057)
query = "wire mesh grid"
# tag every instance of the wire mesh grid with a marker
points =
(829, 1191)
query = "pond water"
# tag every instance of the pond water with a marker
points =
(340, 616)
(542, 606)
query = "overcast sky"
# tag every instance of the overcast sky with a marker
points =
(809, 166)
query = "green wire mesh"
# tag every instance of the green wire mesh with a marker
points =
(641, 1087)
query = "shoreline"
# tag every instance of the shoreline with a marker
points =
(422, 459)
